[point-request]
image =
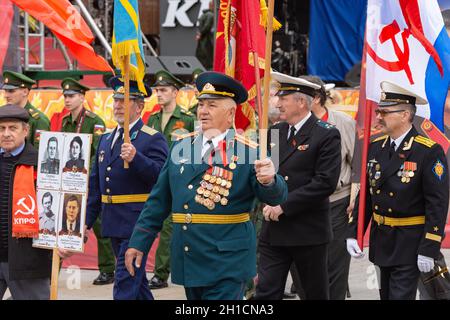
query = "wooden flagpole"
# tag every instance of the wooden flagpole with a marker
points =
(56, 260)
(126, 80)
(258, 88)
(268, 59)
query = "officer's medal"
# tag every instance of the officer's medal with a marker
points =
(101, 156)
(214, 187)
(406, 171)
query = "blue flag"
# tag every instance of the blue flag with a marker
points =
(127, 40)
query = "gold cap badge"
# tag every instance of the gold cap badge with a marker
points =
(209, 87)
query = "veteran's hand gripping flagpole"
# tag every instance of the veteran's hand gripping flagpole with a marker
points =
(268, 58)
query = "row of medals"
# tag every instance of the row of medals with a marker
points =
(377, 173)
(214, 187)
(405, 174)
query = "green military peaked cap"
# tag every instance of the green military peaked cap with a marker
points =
(196, 73)
(71, 86)
(164, 78)
(14, 80)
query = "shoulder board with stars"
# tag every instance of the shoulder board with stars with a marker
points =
(186, 135)
(90, 114)
(148, 130)
(244, 140)
(324, 124)
(380, 138)
(425, 141)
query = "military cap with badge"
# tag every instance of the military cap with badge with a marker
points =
(71, 86)
(117, 84)
(290, 85)
(164, 78)
(15, 80)
(392, 95)
(215, 85)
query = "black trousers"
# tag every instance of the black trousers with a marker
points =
(338, 257)
(399, 282)
(274, 264)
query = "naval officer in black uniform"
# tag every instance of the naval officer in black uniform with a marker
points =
(407, 197)
(299, 229)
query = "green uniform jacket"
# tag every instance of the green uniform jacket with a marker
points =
(203, 253)
(92, 124)
(179, 123)
(38, 121)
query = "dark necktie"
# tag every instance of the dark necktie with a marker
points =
(291, 140)
(209, 151)
(392, 149)
(119, 138)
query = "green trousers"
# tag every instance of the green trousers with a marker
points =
(106, 259)
(162, 257)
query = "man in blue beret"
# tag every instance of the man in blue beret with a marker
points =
(118, 194)
(209, 184)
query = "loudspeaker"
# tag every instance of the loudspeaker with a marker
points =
(180, 66)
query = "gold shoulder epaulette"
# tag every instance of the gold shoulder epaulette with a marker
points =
(148, 130)
(380, 138)
(90, 114)
(425, 141)
(244, 140)
(185, 135)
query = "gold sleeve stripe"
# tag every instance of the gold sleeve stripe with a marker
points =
(433, 237)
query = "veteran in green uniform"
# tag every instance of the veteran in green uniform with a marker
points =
(81, 120)
(172, 121)
(209, 184)
(17, 88)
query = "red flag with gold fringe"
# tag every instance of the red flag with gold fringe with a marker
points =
(240, 34)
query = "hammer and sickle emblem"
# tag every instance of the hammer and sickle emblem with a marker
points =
(24, 205)
(402, 64)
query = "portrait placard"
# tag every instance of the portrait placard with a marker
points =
(62, 185)
(49, 164)
(76, 157)
(48, 207)
(71, 222)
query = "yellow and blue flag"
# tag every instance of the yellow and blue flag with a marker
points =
(127, 40)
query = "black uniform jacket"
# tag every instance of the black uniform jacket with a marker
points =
(412, 184)
(311, 167)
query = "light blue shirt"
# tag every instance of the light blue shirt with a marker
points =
(16, 151)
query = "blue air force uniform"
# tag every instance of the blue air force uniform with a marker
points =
(119, 194)
(213, 249)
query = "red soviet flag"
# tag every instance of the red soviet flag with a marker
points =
(240, 33)
(66, 23)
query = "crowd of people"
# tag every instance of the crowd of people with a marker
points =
(231, 223)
